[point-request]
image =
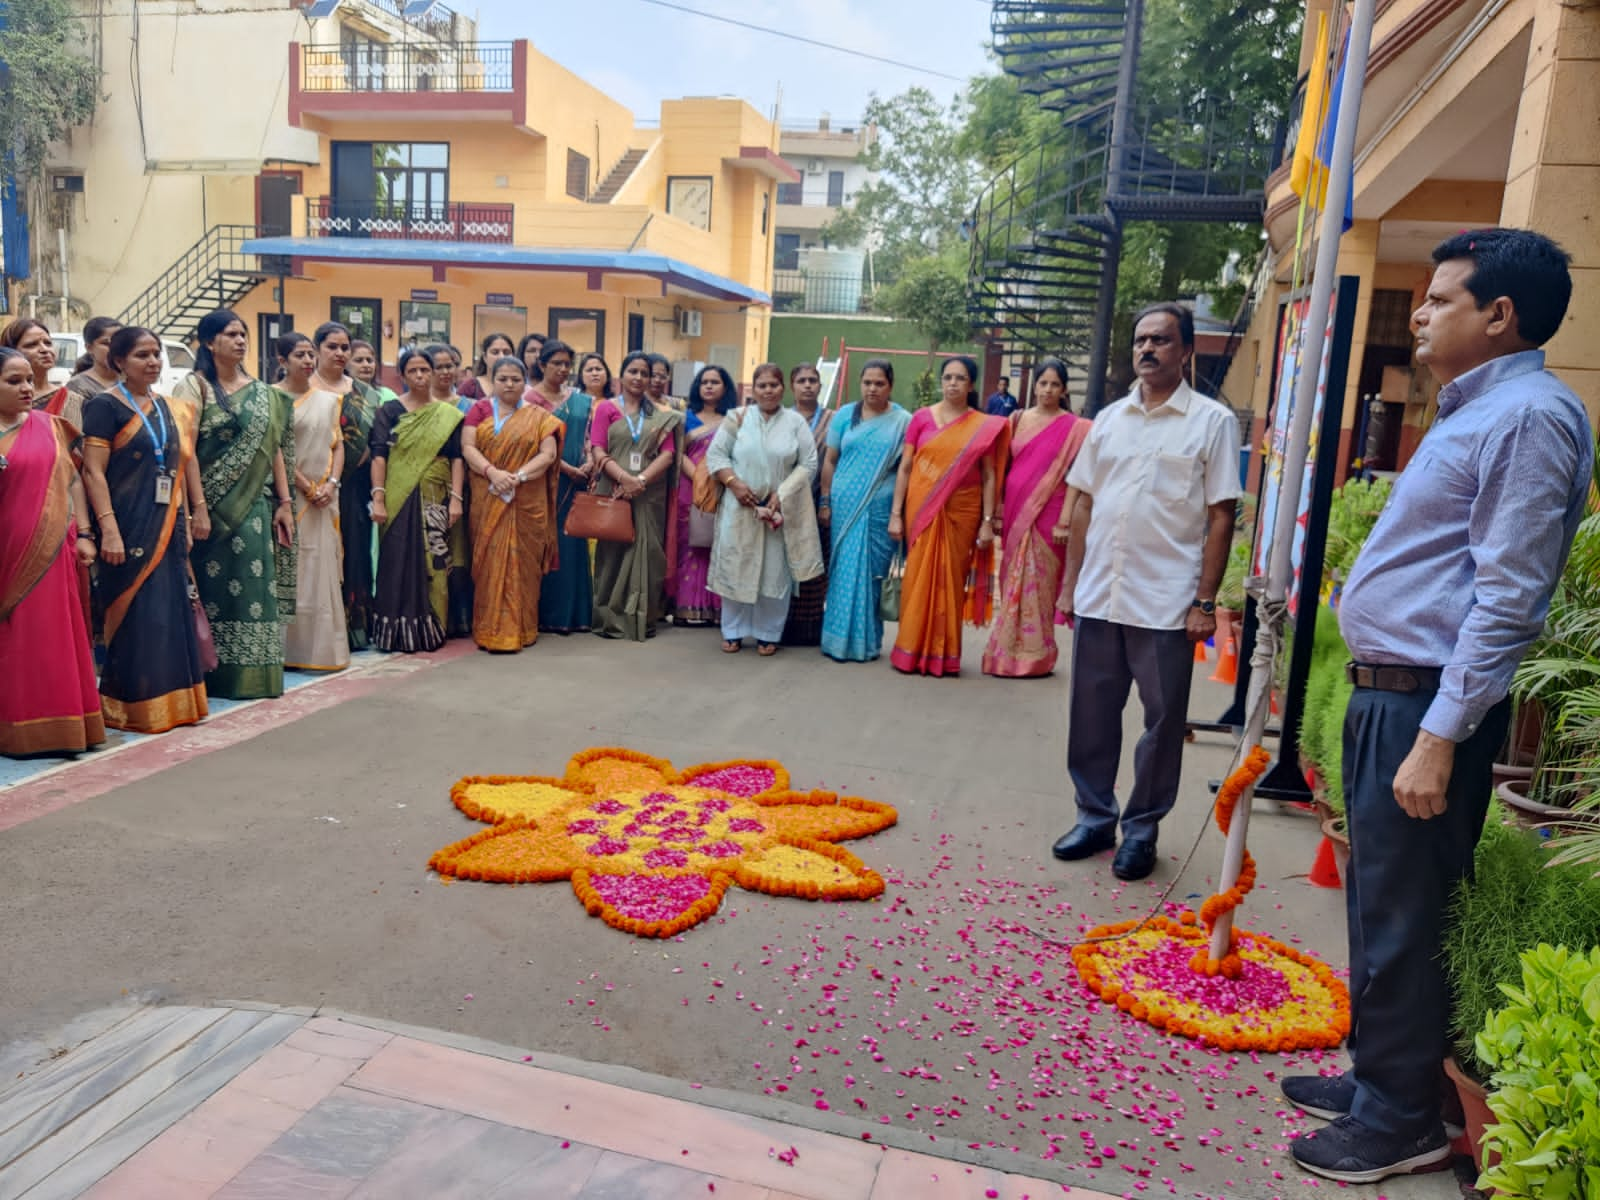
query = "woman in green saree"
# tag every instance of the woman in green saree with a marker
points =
(245, 569)
(635, 446)
(361, 404)
(417, 474)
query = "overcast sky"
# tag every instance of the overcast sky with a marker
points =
(642, 54)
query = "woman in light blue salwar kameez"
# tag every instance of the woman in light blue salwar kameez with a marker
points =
(864, 445)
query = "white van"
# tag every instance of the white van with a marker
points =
(176, 361)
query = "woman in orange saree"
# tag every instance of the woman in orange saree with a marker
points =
(944, 511)
(44, 638)
(510, 448)
(1044, 441)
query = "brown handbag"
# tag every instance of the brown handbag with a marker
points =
(707, 487)
(604, 518)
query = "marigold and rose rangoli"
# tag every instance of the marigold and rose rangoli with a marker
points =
(651, 850)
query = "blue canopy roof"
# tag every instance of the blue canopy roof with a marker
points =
(480, 255)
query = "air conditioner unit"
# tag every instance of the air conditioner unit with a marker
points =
(814, 166)
(690, 323)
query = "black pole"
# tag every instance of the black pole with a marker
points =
(1284, 780)
(1116, 168)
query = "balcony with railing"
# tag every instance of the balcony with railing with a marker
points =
(484, 224)
(468, 80)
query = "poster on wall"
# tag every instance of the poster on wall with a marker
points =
(1291, 344)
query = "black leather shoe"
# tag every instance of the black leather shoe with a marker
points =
(1136, 858)
(1081, 841)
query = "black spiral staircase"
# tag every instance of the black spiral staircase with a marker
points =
(1046, 234)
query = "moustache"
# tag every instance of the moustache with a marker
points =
(1148, 358)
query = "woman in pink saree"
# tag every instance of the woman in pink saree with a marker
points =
(1044, 441)
(50, 703)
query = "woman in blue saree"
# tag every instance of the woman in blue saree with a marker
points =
(865, 441)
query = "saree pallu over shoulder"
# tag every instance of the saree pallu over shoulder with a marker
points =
(1022, 644)
(357, 409)
(37, 505)
(316, 639)
(946, 576)
(418, 438)
(152, 680)
(630, 578)
(246, 580)
(513, 544)
(566, 597)
(862, 496)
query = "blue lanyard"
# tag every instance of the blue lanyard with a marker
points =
(161, 442)
(635, 427)
(499, 421)
(816, 416)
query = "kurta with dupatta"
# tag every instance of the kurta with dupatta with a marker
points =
(316, 640)
(1023, 644)
(409, 606)
(513, 543)
(629, 578)
(566, 599)
(693, 603)
(862, 497)
(152, 680)
(945, 572)
(246, 579)
(44, 636)
(775, 456)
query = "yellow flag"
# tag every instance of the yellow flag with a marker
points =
(1306, 172)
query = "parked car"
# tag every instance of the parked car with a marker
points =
(176, 361)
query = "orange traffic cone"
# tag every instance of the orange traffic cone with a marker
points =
(1324, 870)
(1200, 652)
(1227, 654)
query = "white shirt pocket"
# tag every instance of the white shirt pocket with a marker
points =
(1172, 476)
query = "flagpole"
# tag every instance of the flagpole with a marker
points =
(1346, 110)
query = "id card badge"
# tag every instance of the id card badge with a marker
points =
(635, 462)
(163, 488)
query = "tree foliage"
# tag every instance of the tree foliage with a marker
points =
(930, 293)
(46, 85)
(926, 187)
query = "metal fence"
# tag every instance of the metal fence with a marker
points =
(455, 222)
(799, 291)
(408, 67)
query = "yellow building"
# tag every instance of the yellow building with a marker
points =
(345, 160)
(1474, 114)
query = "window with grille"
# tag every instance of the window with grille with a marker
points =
(1389, 322)
(577, 175)
(791, 193)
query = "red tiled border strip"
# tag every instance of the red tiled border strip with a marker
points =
(99, 774)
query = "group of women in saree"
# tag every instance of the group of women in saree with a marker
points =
(203, 544)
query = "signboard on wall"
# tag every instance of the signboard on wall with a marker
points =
(424, 294)
(500, 299)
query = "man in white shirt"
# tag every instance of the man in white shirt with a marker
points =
(1154, 485)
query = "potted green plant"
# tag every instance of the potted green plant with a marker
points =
(1544, 1049)
(1559, 684)
(1518, 897)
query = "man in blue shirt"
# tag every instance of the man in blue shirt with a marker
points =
(1002, 403)
(1447, 595)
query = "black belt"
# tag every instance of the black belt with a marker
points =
(1387, 678)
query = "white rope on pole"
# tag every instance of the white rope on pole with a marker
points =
(1272, 605)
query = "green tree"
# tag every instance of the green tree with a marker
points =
(931, 294)
(46, 86)
(926, 186)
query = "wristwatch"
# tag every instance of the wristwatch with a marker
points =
(1209, 607)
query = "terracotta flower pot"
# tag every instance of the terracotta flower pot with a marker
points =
(1475, 1105)
(1515, 794)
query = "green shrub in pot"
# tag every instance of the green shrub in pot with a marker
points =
(1544, 1048)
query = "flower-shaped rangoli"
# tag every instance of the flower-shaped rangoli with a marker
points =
(651, 850)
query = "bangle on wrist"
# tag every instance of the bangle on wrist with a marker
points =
(456, 496)
(378, 491)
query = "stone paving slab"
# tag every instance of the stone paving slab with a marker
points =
(235, 1104)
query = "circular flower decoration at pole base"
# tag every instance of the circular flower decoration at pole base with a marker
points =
(1261, 995)
(651, 850)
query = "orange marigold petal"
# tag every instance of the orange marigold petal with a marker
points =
(824, 816)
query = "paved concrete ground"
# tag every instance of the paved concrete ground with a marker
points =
(289, 869)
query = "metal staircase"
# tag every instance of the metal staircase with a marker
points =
(213, 273)
(1046, 234)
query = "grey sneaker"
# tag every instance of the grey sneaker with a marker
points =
(1327, 1096)
(1348, 1152)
